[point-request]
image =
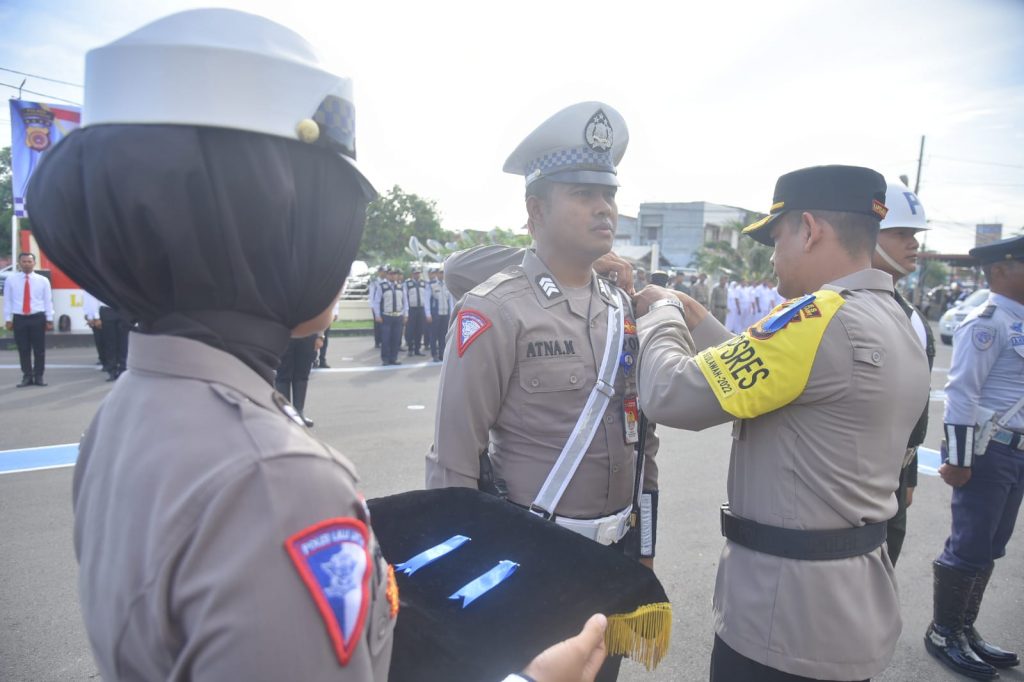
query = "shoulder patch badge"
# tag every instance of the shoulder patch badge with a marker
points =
(982, 337)
(548, 285)
(470, 325)
(333, 560)
(768, 366)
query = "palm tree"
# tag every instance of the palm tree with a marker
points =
(750, 260)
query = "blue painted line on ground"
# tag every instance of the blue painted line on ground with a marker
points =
(928, 461)
(33, 459)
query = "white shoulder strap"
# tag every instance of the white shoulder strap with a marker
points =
(586, 426)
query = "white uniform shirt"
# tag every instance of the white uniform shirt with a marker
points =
(40, 296)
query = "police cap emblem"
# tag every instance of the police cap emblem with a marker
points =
(598, 132)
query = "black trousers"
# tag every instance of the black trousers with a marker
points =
(97, 339)
(390, 338)
(439, 328)
(414, 329)
(292, 378)
(896, 528)
(729, 666)
(30, 337)
(114, 331)
(323, 348)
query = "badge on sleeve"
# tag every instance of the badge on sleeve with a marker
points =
(333, 560)
(982, 337)
(471, 324)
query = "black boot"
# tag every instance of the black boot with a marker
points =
(945, 638)
(993, 655)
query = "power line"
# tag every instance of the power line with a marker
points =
(41, 94)
(981, 163)
(30, 75)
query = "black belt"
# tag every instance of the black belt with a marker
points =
(805, 545)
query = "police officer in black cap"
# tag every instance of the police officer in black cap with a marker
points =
(984, 453)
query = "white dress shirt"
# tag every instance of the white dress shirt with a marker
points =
(40, 295)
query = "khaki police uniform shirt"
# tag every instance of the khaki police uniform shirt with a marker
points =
(830, 459)
(521, 385)
(189, 481)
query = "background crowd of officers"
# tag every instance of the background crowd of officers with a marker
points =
(409, 309)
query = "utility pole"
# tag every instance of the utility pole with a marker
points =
(920, 157)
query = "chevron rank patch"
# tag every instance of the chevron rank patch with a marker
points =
(548, 285)
(333, 560)
(470, 325)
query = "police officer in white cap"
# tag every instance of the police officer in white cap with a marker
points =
(217, 539)
(896, 252)
(538, 370)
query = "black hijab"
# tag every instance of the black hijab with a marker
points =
(227, 237)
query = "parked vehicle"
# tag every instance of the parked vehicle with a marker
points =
(955, 315)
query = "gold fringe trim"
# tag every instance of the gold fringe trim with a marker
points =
(642, 635)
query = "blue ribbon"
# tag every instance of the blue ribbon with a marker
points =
(489, 580)
(781, 318)
(431, 555)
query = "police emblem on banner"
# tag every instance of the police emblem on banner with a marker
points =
(598, 132)
(38, 123)
(333, 560)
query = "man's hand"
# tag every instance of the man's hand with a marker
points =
(910, 497)
(49, 326)
(575, 660)
(647, 561)
(954, 475)
(648, 295)
(429, 319)
(318, 343)
(617, 269)
(378, 319)
(9, 326)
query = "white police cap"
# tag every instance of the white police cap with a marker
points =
(582, 143)
(224, 69)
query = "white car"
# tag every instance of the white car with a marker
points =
(955, 315)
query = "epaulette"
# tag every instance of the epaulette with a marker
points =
(989, 311)
(492, 283)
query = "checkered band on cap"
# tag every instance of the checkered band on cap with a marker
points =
(337, 120)
(577, 158)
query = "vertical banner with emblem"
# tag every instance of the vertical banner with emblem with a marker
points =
(35, 128)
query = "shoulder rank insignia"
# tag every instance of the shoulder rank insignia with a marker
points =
(989, 311)
(548, 285)
(333, 560)
(470, 325)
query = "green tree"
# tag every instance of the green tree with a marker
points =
(6, 202)
(394, 217)
(499, 235)
(749, 260)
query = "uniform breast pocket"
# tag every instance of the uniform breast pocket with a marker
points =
(551, 376)
(551, 395)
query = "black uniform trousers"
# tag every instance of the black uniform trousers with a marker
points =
(30, 337)
(114, 332)
(439, 328)
(323, 348)
(414, 328)
(293, 373)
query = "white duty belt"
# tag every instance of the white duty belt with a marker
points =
(586, 428)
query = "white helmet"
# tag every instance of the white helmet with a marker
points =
(905, 209)
(224, 69)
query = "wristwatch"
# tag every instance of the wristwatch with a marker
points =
(674, 302)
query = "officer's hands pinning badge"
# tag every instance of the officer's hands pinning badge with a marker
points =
(333, 560)
(470, 325)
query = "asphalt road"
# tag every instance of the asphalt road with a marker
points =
(383, 420)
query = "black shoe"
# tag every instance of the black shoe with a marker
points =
(112, 376)
(40, 382)
(324, 365)
(945, 638)
(395, 362)
(308, 422)
(25, 381)
(422, 355)
(991, 654)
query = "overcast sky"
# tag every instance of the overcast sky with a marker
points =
(720, 98)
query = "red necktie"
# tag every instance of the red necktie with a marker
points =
(26, 303)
